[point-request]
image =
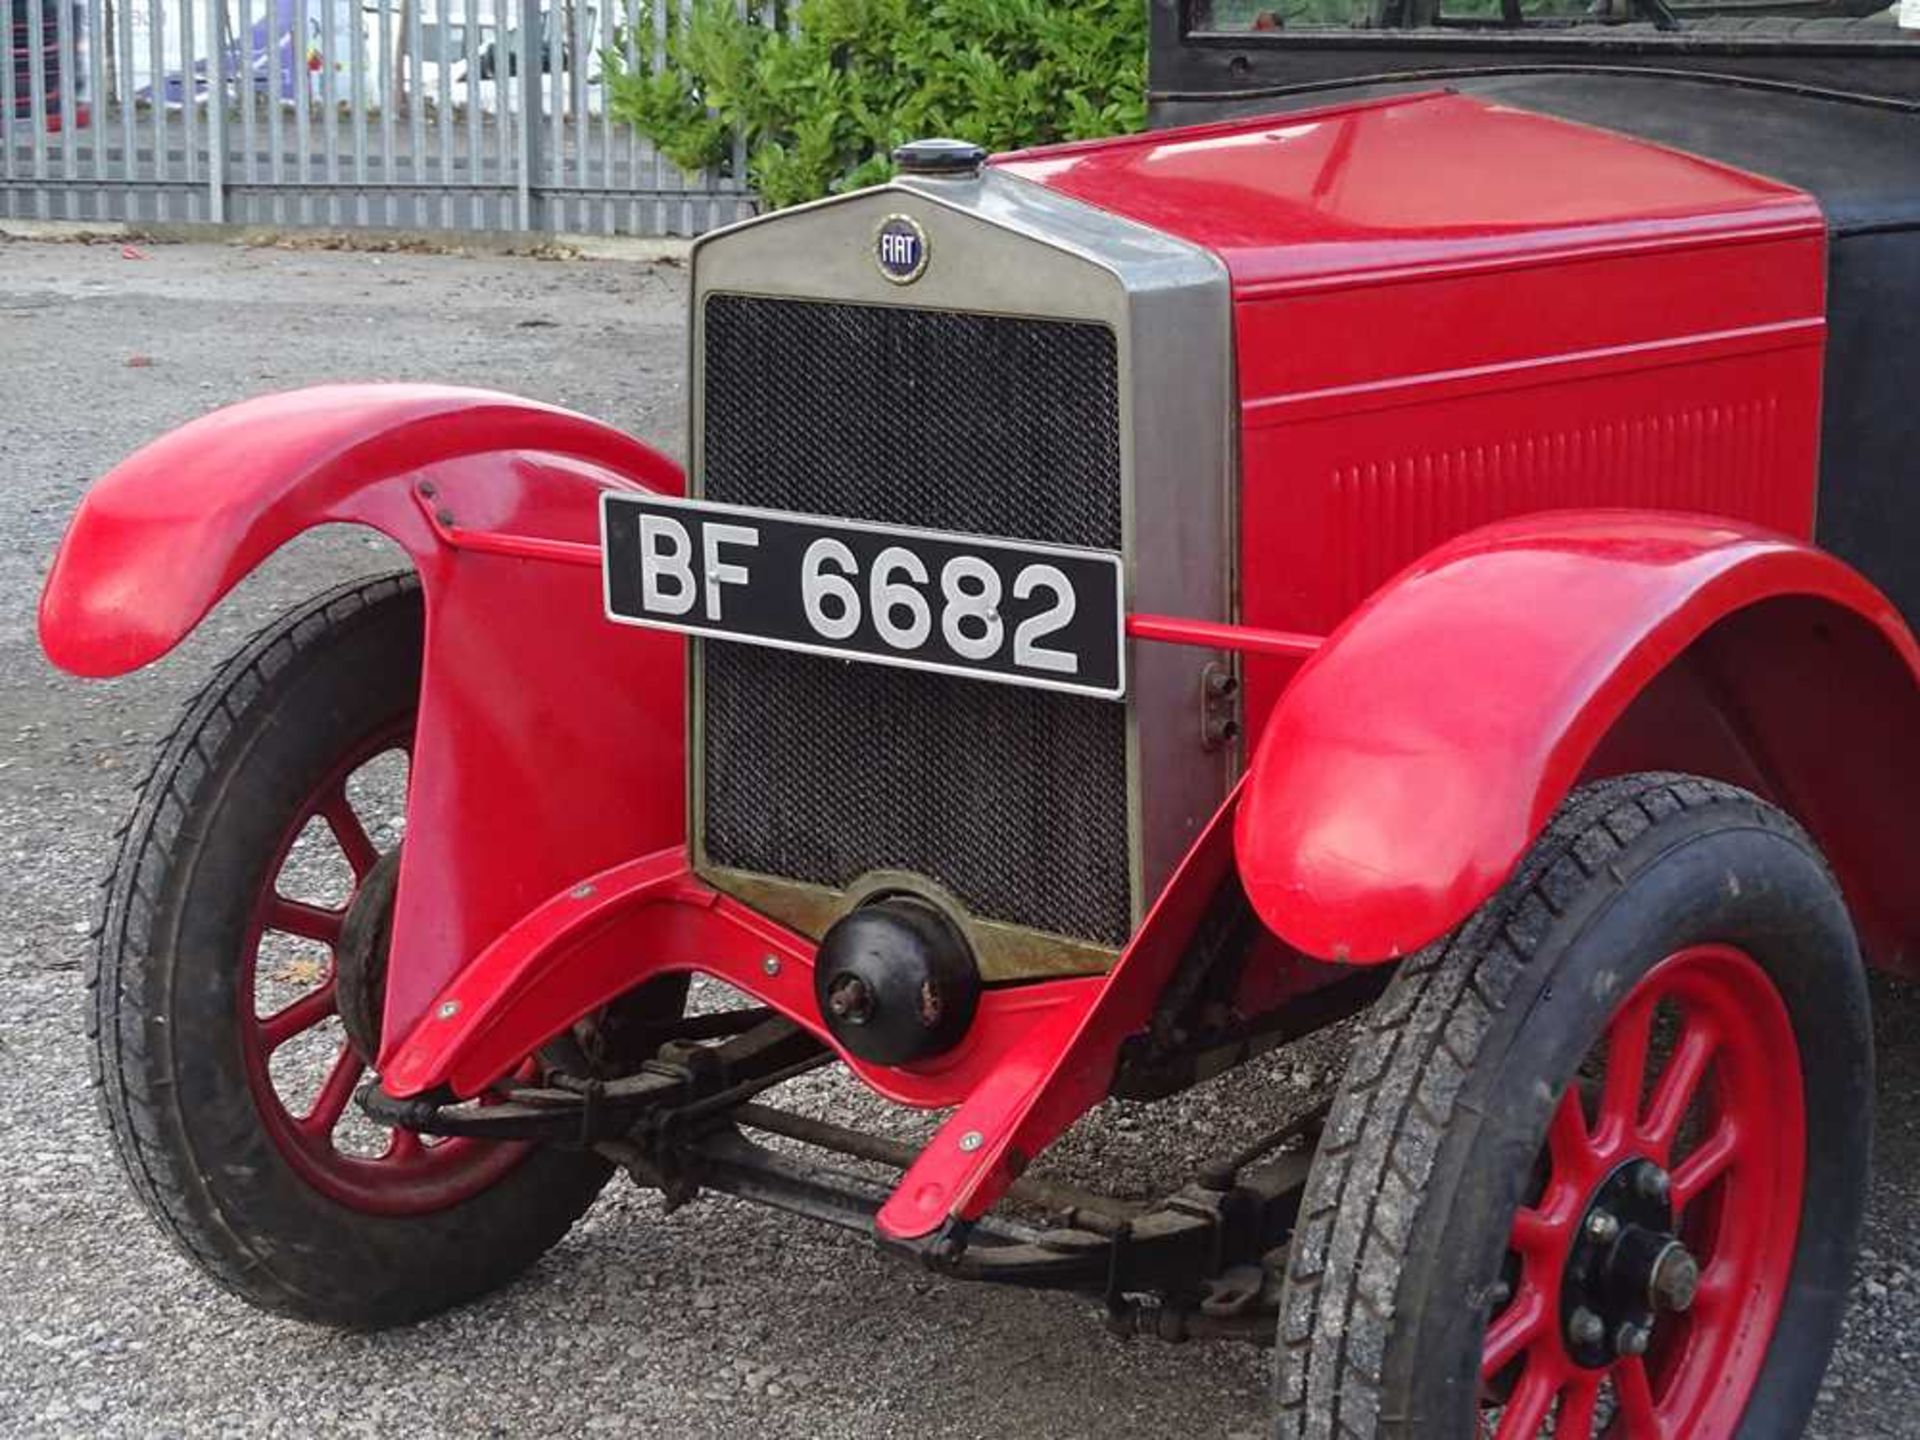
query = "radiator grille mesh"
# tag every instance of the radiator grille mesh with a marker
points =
(820, 770)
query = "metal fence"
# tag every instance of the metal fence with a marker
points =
(411, 114)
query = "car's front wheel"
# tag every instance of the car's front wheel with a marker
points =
(1598, 1161)
(238, 987)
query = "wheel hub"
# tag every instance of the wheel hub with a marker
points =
(360, 957)
(1626, 1267)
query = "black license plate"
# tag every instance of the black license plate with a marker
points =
(1008, 610)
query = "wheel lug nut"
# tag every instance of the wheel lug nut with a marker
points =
(1676, 1279)
(1585, 1327)
(1631, 1339)
(1602, 1227)
(1654, 1184)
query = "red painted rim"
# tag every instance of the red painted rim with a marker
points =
(411, 1177)
(1723, 1114)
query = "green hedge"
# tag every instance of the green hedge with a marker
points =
(820, 102)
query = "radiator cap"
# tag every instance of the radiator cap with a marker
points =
(951, 159)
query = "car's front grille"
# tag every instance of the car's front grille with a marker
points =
(821, 770)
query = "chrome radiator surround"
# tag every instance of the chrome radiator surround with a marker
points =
(1000, 246)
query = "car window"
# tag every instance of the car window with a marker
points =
(1277, 17)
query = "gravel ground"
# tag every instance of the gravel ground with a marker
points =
(718, 1321)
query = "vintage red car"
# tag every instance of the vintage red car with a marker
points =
(1428, 542)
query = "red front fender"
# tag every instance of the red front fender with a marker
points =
(177, 524)
(534, 711)
(1417, 755)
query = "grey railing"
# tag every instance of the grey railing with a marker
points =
(407, 114)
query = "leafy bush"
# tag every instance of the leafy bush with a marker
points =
(820, 103)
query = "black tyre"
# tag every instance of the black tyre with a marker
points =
(1598, 1161)
(224, 1067)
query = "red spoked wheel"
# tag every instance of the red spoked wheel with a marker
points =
(307, 1105)
(1653, 1264)
(1572, 1184)
(237, 999)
